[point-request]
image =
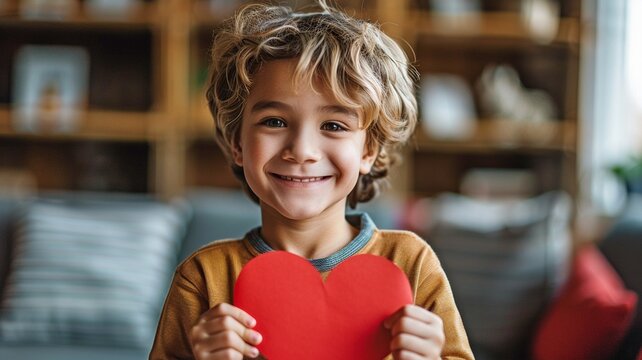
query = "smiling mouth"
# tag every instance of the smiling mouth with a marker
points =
(300, 179)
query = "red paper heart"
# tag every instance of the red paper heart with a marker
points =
(301, 317)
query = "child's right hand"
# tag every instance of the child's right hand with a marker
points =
(224, 332)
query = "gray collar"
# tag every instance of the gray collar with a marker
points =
(360, 220)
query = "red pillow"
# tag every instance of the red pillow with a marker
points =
(590, 317)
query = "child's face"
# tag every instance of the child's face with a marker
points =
(301, 150)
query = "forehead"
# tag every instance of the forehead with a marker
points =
(277, 85)
(279, 78)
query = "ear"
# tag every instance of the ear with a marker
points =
(368, 157)
(237, 153)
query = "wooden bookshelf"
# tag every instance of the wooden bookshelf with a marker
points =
(148, 72)
(464, 45)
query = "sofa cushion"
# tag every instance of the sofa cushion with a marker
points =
(90, 272)
(591, 315)
(505, 259)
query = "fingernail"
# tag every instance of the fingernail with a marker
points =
(256, 338)
(254, 352)
(251, 322)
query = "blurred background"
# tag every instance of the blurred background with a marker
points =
(527, 154)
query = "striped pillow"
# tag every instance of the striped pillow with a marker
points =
(505, 260)
(92, 273)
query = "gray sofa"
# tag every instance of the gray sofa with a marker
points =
(217, 214)
(209, 215)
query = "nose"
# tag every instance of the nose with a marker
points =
(303, 146)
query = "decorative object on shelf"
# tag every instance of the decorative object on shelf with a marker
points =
(447, 106)
(453, 7)
(542, 18)
(492, 183)
(47, 9)
(111, 8)
(503, 96)
(50, 87)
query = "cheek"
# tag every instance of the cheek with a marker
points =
(349, 159)
(257, 152)
(257, 148)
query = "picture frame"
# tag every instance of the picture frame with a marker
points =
(50, 88)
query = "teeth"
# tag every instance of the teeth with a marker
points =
(304, 180)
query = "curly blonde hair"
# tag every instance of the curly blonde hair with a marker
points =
(364, 68)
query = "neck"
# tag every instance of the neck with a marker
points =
(313, 238)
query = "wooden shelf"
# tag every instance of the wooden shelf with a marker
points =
(96, 125)
(201, 125)
(491, 25)
(503, 135)
(145, 15)
(175, 139)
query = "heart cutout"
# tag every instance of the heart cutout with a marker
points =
(302, 317)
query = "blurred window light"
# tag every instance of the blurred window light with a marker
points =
(634, 59)
(611, 73)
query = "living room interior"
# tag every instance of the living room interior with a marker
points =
(524, 173)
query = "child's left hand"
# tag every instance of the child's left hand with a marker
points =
(416, 334)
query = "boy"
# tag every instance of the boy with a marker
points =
(308, 109)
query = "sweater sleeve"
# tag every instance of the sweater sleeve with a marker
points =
(183, 306)
(433, 292)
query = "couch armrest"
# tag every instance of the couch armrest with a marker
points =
(8, 208)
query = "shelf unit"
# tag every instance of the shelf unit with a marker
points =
(148, 70)
(463, 45)
(121, 134)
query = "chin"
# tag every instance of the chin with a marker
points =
(299, 214)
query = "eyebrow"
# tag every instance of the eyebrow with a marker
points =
(273, 104)
(339, 109)
(269, 104)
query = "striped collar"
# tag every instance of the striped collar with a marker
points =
(360, 220)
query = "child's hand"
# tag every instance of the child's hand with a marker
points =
(416, 334)
(224, 332)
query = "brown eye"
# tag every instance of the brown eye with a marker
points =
(332, 126)
(273, 122)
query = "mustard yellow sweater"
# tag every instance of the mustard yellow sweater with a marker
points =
(207, 277)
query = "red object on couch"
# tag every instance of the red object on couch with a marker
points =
(591, 315)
